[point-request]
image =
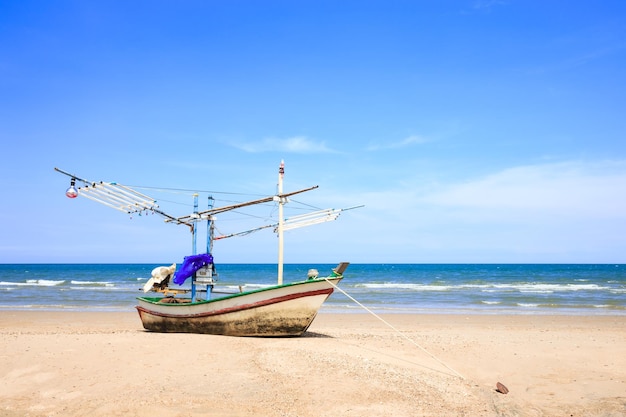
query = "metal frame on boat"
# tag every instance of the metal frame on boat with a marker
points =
(278, 310)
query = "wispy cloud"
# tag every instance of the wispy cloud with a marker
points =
(570, 211)
(295, 144)
(568, 188)
(488, 4)
(409, 141)
(578, 59)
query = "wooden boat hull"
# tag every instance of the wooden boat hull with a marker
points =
(284, 310)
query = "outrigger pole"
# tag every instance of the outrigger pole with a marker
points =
(116, 196)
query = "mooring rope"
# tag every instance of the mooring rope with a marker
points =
(396, 330)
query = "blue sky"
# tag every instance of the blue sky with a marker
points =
(472, 131)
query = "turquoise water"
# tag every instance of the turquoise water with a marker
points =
(393, 288)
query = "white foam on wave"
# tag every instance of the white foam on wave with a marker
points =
(546, 288)
(250, 286)
(521, 287)
(42, 282)
(99, 288)
(97, 283)
(407, 286)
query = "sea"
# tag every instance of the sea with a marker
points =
(565, 289)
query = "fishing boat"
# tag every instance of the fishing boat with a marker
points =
(284, 309)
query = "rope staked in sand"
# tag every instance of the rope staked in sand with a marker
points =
(396, 330)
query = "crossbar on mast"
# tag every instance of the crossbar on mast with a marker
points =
(218, 210)
(295, 222)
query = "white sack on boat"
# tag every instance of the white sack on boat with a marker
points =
(158, 275)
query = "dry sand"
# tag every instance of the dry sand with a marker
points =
(105, 364)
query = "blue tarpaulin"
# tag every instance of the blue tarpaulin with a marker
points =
(190, 265)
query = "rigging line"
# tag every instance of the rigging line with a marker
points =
(305, 204)
(145, 187)
(244, 233)
(396, 330)
(219, 210)
(249, 215)
(174, 202)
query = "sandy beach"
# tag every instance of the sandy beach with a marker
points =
(105, 364)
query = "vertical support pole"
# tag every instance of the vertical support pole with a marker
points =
(194, 240)
(209, 244)
(281, 173)
(209, 228)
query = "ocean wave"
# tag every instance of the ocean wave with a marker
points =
(93, 283)
(408, 286)
(94, 288)
(234, 289)
(251, 286)
(568, 306)
(521, 287)
(610, 307)
(488, 289)
(552, 287)
(34, 283)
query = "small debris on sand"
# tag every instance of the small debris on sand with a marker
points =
(501, 388)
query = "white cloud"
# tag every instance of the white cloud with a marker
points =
(409, 141)
(559, 212)
(566, 188)
(295, 144)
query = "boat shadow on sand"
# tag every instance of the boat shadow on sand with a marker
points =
(306, 334)
(316, 334)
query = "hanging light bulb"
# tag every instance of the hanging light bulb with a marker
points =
(72, 192)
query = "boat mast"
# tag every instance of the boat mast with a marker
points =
(281, 202)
